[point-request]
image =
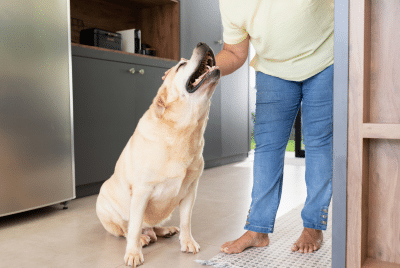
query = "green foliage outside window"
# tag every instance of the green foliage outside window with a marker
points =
(289, 147)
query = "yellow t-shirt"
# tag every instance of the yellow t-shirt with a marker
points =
(293, 39)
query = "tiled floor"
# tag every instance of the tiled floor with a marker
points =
(51, 237)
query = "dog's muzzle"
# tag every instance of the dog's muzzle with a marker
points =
(206, 68)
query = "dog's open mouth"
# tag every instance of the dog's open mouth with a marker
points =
(203, 71)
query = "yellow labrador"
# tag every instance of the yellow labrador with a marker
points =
(160, 166)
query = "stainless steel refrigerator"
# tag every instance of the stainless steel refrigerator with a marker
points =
(36, 126)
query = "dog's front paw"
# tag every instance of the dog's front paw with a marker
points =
(189, 245)
(133, 258)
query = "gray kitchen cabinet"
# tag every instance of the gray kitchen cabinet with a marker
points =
(227, 136)
(104, 116)
(109, 100)
(147, 84)
(201, 22)
(235, 114)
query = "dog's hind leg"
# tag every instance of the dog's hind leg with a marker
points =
(114, 228)
(110, 218)
(166, 231)
(149, 231)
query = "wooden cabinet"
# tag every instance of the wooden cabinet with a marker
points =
(373, 181)
(158, 21)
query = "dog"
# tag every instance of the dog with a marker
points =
(161, 164)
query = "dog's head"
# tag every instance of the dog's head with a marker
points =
(187, 89)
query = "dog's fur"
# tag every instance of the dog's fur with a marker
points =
(160, 166)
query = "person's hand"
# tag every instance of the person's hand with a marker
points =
(166, 73)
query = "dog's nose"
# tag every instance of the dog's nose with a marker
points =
(200, 44)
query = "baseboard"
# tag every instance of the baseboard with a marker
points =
(225, 160)
(88, 189)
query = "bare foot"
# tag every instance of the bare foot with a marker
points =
(248, 239)
(309, 241)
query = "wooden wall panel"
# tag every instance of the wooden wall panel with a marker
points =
(384, 157)
(357, 176)
(373, 181)
(385, 62)
(384, 200)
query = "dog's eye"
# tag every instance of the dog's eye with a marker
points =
(183, 63)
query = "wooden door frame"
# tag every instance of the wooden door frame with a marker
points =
(340, 122)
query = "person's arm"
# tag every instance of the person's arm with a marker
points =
(232, 57)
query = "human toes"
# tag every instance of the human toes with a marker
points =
(237, 246)
(301, 247)
(295, 247)
(304, 248)
(226, 245)
(232, 249)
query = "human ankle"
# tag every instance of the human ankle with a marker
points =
(258, 235)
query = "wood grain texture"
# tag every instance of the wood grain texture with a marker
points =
(384, 201)
(372, 263)
(373, 190)
(385, 62)
(150, 3)
(357, 177)
(106, 15)
(381, 131)
(160, 29)
(157, 19)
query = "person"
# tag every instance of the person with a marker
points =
(293, 40)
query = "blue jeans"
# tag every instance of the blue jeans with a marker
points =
(277, 104)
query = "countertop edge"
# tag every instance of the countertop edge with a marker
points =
(120, 56)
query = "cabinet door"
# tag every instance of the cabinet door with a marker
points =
(235, 112)
(201, 22)
(147, 82)
(104, 116)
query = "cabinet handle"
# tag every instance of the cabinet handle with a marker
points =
(219, 42)
(132, 70)
(141, 71)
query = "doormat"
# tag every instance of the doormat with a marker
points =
(278, 253)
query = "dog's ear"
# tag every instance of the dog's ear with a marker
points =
(161, 102)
